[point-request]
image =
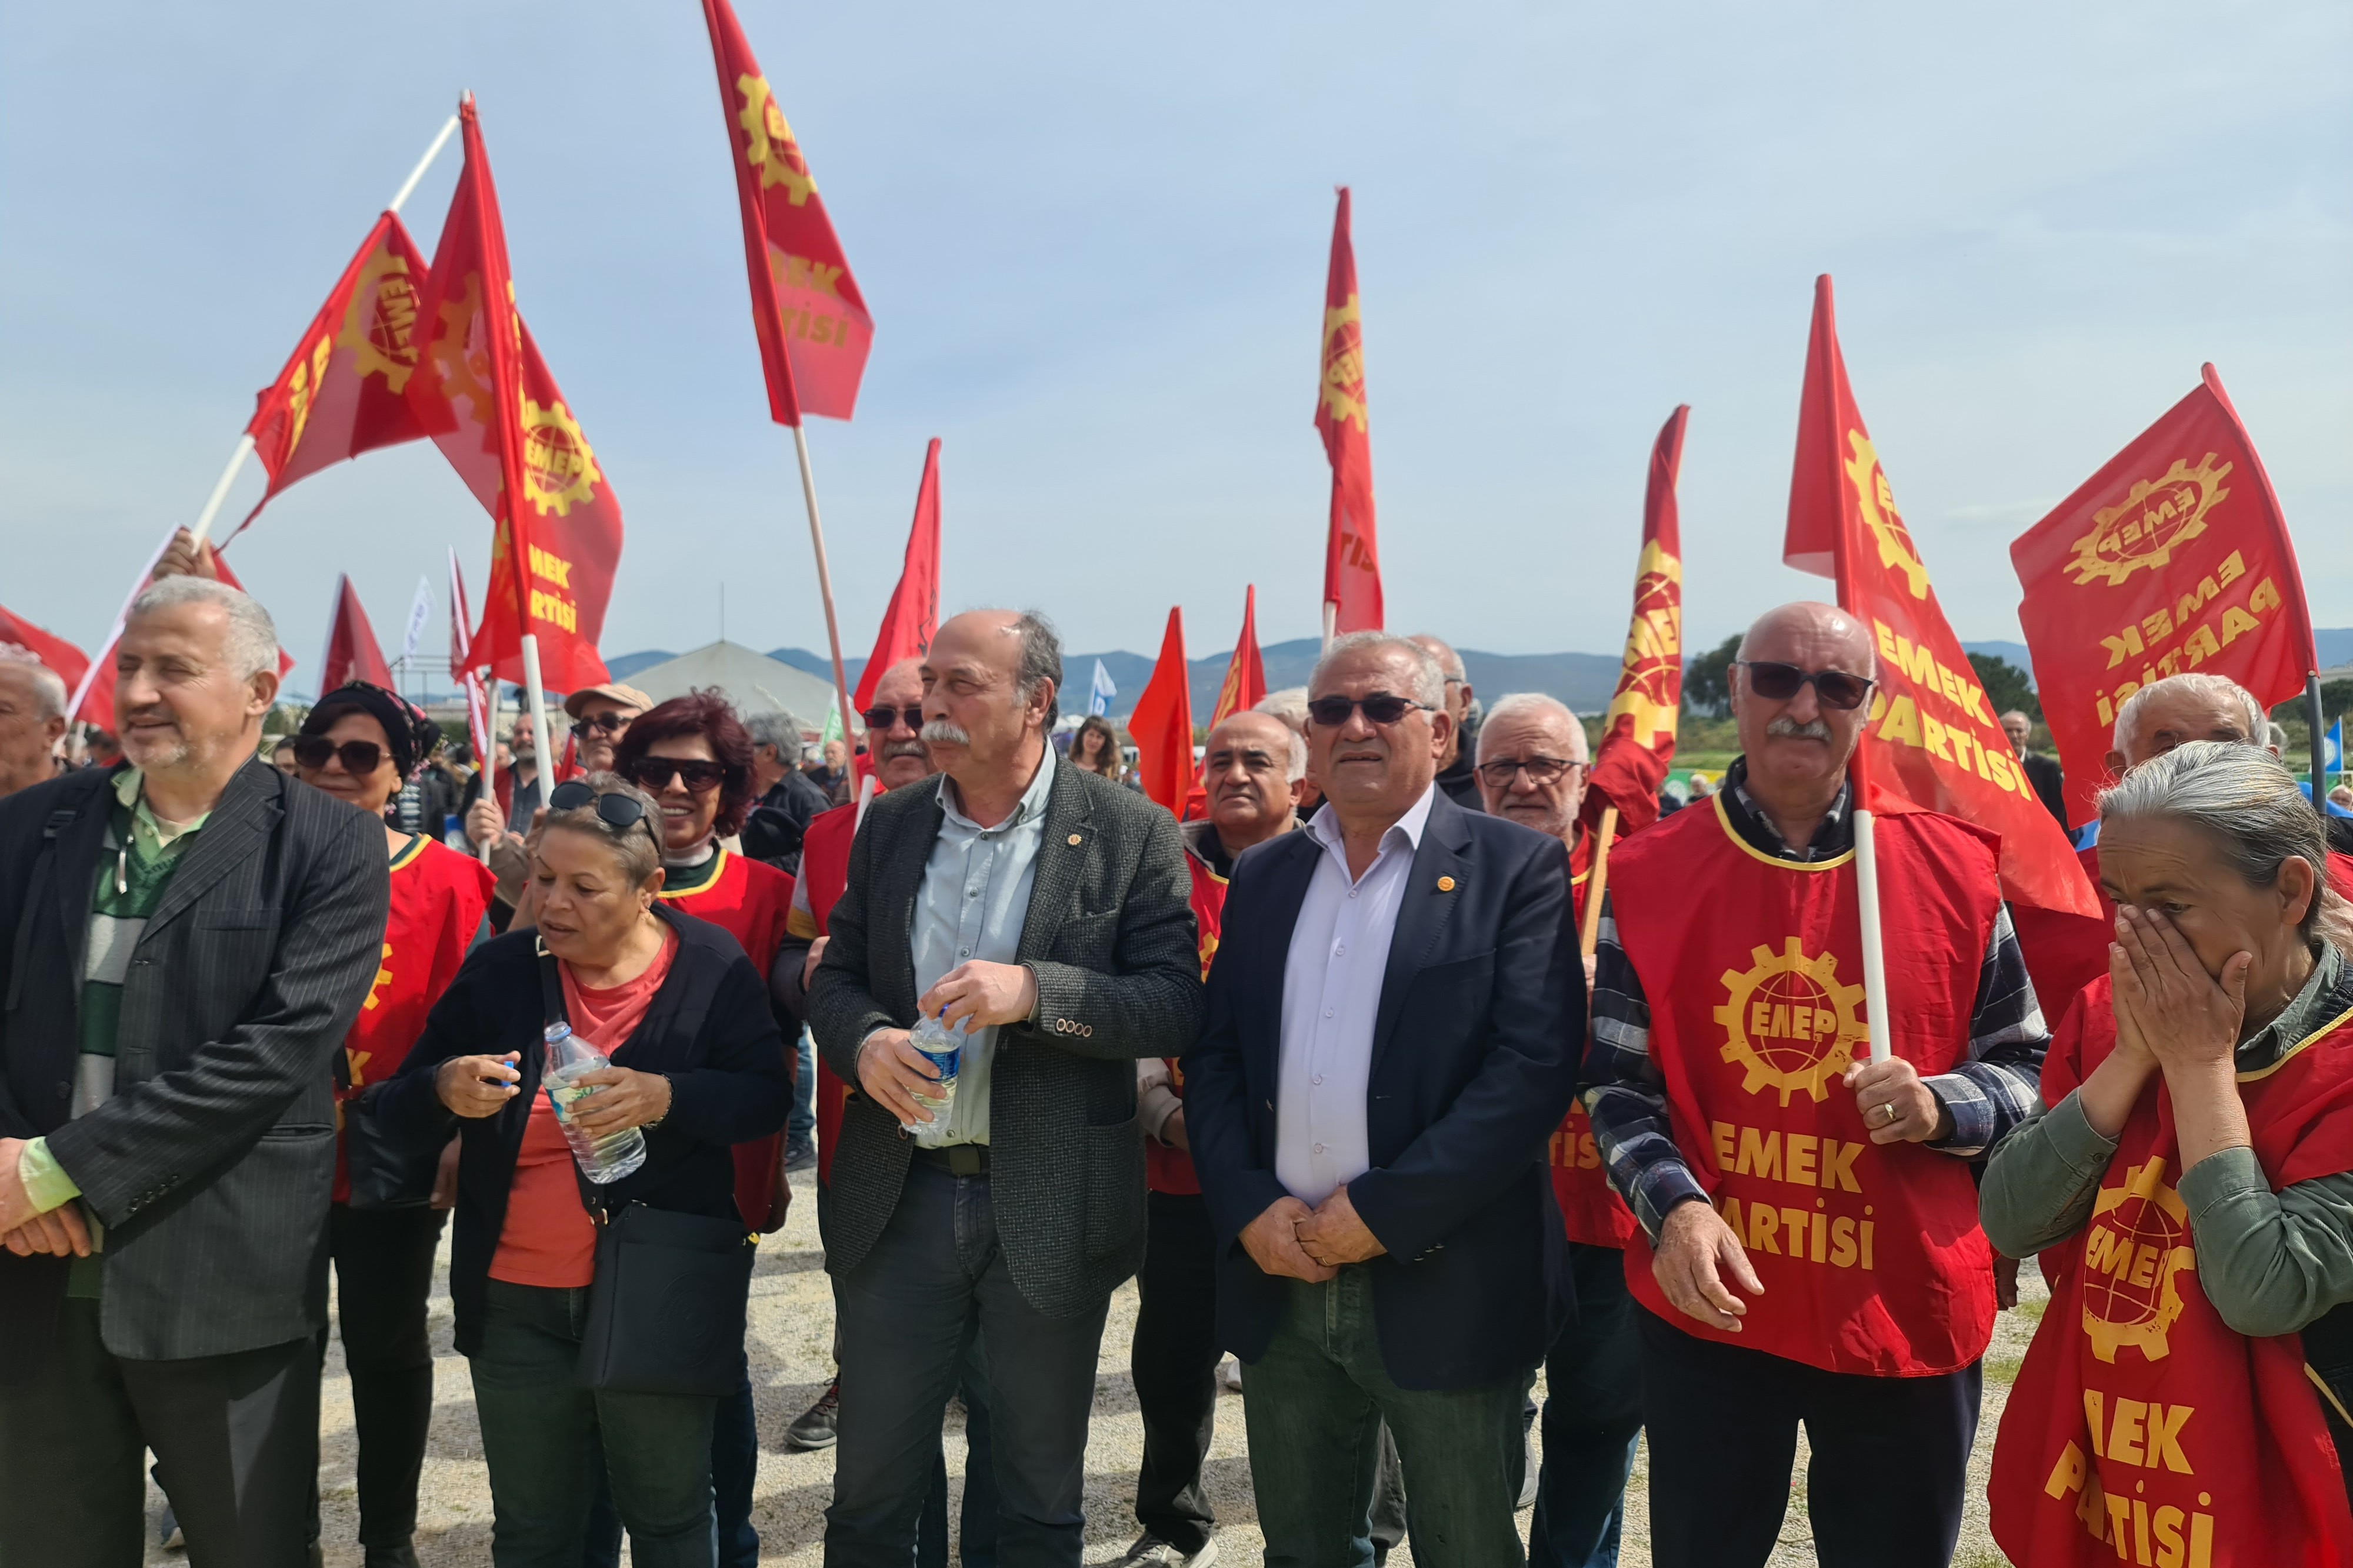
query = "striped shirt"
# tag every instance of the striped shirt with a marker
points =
(1998, 1087)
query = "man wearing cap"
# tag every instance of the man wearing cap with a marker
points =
(600, 715)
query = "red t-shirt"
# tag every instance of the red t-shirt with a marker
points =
(548, 1238)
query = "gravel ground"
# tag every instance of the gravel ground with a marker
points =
(792, 1330)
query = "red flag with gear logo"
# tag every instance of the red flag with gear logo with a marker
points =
(2173, 557)
(1352, 563)
(812, 323)
(1162, 724)
(1245, 683)
(1638, 738)
(487, 400)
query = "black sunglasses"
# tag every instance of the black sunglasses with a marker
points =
(1542, 770)
(602, 723)
(361, 758)
(653, 774)
(1779, 682)
(879, 718)
(615, 811)
(1380, 707)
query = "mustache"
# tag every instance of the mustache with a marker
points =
(905, 749)
(1812, 730)
(946, 732)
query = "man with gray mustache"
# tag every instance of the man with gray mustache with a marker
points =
(1808, 1247)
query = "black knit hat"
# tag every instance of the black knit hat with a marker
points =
(412, 735)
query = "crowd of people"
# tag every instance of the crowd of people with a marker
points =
(1325, 1070)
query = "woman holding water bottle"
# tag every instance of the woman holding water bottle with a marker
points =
(696, 1067)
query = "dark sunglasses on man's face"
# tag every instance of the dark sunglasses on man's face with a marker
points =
(361, 758)
(1380, 707)
(601, 724)
(880, 718)
(615, 811)
(1779, 682)
(653, 774)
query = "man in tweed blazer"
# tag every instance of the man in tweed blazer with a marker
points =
(184, 942)
(1045, 910)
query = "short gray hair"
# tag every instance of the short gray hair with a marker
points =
(1290, 705)
(1429, 677)
(49, 687)
(2253, 723)
(637, 849)
(779, 730)
(2250, 804)
(252, 645)
(1295, 755)
(1535, 704)
(1449, 663)
(1041, 659)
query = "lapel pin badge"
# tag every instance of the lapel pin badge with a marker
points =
(1446, 884)
(1077, 840)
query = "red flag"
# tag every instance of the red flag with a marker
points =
(2190, 501)
(344, 390)
(64, 660)
(1637, 735)
(914, 612)
(1352, 565)
(1933, 742)
(1245, 686)
(353, 652)
(812, 323)
(1162, 724)
(491, 405)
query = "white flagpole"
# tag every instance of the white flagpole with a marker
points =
(537, 695)
(824, 579)
(408, 186)
(1331, 623)
(866, 787)
(106, 648)
(490, 760)
(1874, 952)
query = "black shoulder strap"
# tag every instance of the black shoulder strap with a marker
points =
(551, 985)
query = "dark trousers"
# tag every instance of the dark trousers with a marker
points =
(734, 1467)
(1315, 1403)
(542, 1432)
(1883, 1487)
(976, 1519)
(1592, 1416)
(236, 1440)
(1173, 1360)
(384, 1271)
(936, 1276)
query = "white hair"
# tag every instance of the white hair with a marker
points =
(779, 730)
(1428, 680)
(250, 645)
(2254, 726)
(1294, 762)
(1290, 705)
(1449, 661)
(1534, 705)
(49, 688)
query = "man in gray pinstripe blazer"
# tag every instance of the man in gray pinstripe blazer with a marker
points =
(1047, 910)
(184, 942)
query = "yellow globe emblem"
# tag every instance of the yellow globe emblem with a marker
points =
(558, 466)
(1789, 1024)
(2136, 1244)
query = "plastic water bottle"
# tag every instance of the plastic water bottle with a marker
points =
(944, 1048)
(602, 1160)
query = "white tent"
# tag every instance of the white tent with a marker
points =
(751, 680)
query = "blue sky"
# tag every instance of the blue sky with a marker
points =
(1095, 238)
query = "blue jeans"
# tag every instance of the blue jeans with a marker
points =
(1315, 1404)
(542, 1432)
(935, 1278)
(802, 1122)
(1592, 1418)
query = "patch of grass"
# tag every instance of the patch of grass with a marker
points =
(2002, 1368)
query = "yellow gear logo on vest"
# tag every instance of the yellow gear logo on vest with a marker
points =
(1792, 1026)
(769, 146)
(2155, 516)
(1877, 502)
(382, 978)
(558, 466)
(2137, 1242)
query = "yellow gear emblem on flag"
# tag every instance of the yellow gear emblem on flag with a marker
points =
(559, 467)
(1344, 364)
(1788, 1023)
(2136, 1245)
(770, 147)
(1896, 550)
(2155, 516)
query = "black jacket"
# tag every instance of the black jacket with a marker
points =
(709, 1029)
(1475, 1049)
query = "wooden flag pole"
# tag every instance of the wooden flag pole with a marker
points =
(823, 580)
(1588, 935)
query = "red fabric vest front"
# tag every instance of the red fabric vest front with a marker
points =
(749, 901)
(1167, 1169)
(439, 897)
(825, 873)
(2142, 1427)
(1590, 1209)
(1870, 1254)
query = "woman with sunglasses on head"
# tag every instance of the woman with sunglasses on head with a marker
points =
(697, 1067)
(360, 744)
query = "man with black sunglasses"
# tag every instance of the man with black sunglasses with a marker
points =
(1808, 1251)
(601, 715)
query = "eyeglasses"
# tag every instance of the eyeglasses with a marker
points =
(1779, 682)
(361, 758)
(602, 724)
(1380, 707)
(880, 718)
(615, 811)
(1500, 773)
(653, 774)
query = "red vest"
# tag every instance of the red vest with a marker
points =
(1590, 1209)
(1167, 1169)
(749, 899)
(439, 897)
(2143, 1428)
(1870, 1254)
(825, 873)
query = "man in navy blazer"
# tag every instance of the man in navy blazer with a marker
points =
(1394, 1021)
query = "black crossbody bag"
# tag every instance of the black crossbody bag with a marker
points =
(666, 1310)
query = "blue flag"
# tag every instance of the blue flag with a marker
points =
(1099, 699)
